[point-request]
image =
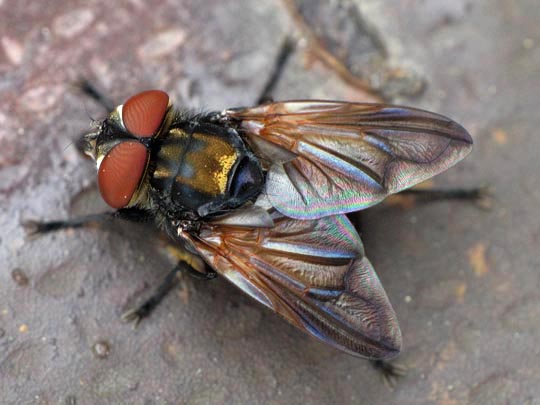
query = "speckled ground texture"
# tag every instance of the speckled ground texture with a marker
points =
(464, 281)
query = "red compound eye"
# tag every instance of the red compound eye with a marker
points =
(121, 171)
(143, 113)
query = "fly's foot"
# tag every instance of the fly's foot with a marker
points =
(135, 315)
(390, 372)
(484, 197)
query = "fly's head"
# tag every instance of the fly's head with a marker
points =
(121, 143)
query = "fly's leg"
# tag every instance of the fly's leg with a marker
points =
(36, 228)
(88, 89)
(390, 372)
(481, 195)
(136, 314)
(187, 262)
(287, 48)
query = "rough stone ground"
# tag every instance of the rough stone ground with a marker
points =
(464, 281)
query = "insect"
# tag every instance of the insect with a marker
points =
(261, 195)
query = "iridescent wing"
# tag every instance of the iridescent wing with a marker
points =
(312, 273)
(332, 157)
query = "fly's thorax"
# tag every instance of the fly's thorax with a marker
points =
(204, 168)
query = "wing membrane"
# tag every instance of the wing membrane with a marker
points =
(313, 273)
(349, 156)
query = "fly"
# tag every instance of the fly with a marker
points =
(261, 194)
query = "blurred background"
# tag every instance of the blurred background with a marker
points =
(464, 280)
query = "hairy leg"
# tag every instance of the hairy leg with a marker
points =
(36, 228)
(287, 47)
(90, 90)
(448, 194)
(136, 314)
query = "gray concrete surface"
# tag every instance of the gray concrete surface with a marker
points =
(464, 281)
